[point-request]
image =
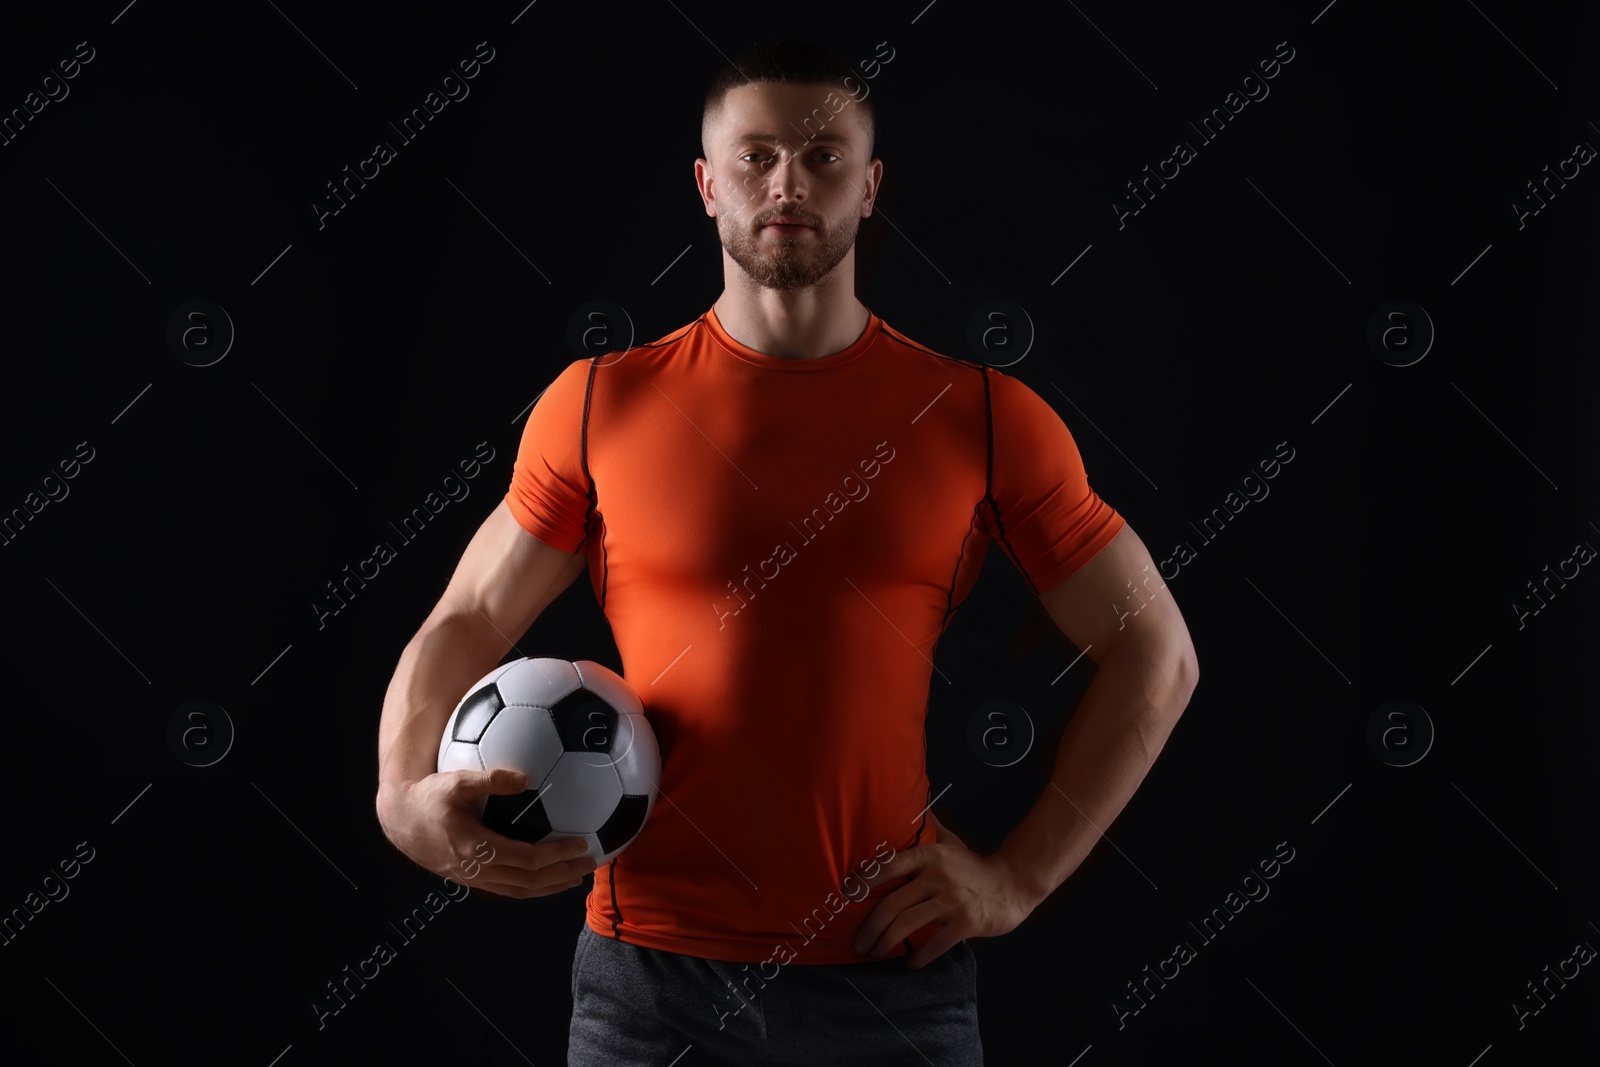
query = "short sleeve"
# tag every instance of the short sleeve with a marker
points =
(1045, 515)
(549, 494)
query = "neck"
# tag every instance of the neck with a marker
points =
(794, 324)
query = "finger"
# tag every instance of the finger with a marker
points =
(905, 863)
(579, 868)
(467, 785)
(561, 871)
(559, 887)
(555, 874)
(945, 834)
(500, 888)
(530, 856)
(907, 923)
(870, 935)
(522, 887)
(559, 882)
(933, 948)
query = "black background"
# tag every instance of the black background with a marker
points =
(380, 348)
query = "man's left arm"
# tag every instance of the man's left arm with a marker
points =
(1146, 672)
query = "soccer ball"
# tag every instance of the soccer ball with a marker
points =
(578, 731)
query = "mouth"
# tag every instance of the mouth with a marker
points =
(787, 224)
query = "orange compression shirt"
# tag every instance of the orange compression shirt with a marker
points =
(778, 545)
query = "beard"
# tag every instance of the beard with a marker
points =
(793, 261)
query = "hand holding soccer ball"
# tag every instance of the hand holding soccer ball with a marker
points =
(436, 822)
(579, 734)
(547, 769)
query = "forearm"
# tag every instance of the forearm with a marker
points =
(445, 657)
(1107, 748)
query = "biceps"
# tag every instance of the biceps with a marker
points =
(507, 576)
(1116, 594)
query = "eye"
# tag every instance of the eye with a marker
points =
(833, 154)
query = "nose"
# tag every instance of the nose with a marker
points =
(786, 178)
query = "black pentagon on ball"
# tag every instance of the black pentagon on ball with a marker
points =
(521, 817)
(585, 722)
(624, 823)
(477, 712)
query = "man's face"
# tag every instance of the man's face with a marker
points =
(783, 154)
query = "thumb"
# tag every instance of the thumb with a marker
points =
(500, 780)
(945, 834)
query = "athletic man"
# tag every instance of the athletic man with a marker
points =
(781, 505)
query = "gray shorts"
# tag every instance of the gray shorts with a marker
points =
(642, 1007)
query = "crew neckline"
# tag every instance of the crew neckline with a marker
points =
(869, 334)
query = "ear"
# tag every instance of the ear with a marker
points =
(874, 178)
(705, 185)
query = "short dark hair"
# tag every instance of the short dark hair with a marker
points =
(790, 62)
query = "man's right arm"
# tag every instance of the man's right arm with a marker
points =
(505, 579)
